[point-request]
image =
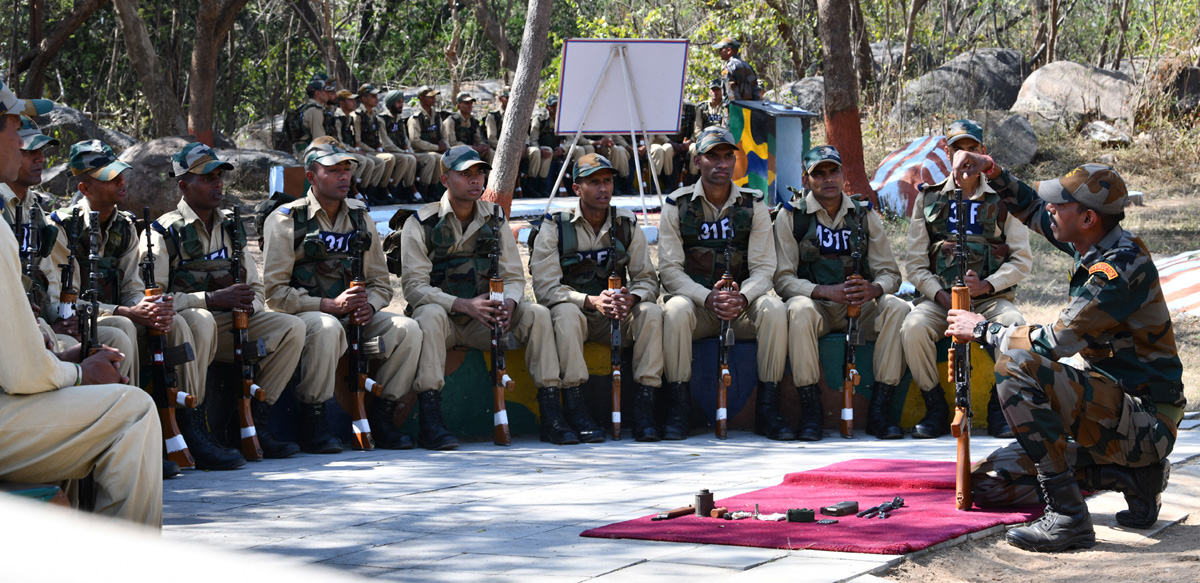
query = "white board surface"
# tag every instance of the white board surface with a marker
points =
(657, 66)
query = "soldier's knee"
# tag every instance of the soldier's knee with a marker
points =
(326, 328)
(678, 311)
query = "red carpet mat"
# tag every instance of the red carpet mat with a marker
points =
(927, 518)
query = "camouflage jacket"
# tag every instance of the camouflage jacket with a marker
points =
(738, 73)
(1116, 319)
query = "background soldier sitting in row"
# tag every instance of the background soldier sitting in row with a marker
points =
(370, 173)
(697, 223)
(999, 257)
(306, 271)
(425, 133)
(461, 129)
(316, 118)
(446, 250)
(531, 156)
(572, 258)
(616, 148)
(429, 164)
(817, 236)
(193, 245)
(372, 139)
(542, 135)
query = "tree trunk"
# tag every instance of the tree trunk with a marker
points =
(789, 39)
(864, 61)
(506, 164)
(495, 33)
(842, 125)
(451, 51)
(165, 112)
(214, 20)
(1052, 37)
(1121, 37)
(1109, 21)
(338, 67)
(910, 28)
(37, 61)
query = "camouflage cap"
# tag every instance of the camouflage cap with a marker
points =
(367, 89)
(727, 42)
(346, 94)
(96, 159)
(460, 158)
(818, 154)
(10, 104)
(464, 97)
(589, 164)
(964, 128)
(321, 82)
(1094, 186)
(32, 138)
(424, 90)
(196, 158)
(715, 84)
(713, 136)
(327, 152)
(552, 101)
(392, 97)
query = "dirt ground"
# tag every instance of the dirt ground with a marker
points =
(1171, 556)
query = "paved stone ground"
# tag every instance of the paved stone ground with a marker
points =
(486, 513)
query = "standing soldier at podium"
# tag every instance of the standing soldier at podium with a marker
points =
(741, 82)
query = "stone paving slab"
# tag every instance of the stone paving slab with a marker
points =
(486, 513)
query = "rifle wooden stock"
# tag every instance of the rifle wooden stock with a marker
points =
(248, 433)
(360, 384)
(501, 382)
(960, 371)
(852, 378)
(614, 353)
(724, 343)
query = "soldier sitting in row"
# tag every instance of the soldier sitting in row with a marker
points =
(395, 139)
(372, 138)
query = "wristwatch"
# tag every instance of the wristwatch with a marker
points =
(980, 332)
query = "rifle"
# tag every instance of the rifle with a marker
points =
(163, 361)
(724, 344)
(26, 250)
(959, 359)
(357, 378)
(614, 336)
(245, 354)
(89, 331)
(500, 379)
(854, 339)
(68, 295)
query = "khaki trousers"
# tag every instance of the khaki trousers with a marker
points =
(191, 375)
(764, 321)
(111, 430)
(283, 334)
(368, 171)
(538, 167)
(619, 158)
(325, 343)
(809, 320)
(388, 175)
(642, 328)
(662, 159)
(926, 324)
(406, 168)
(530, 325)
(111, 336)
(429, 167)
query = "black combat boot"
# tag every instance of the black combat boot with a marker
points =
(643, 414)
(193, 426)
(679, 397)
(1142, 488)
(767, 420)
(555, 428)
(812, 416)
(997, 424)
(879, 421)
(433, 433)
(381, 417)
(936, 422)
(575, 410)
(170, 469)
(272, 447)
(1066, 523)
(314, 430)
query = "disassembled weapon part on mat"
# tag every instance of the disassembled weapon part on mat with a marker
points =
(778, 516)
(840, 509)
(686, 510)
(827, 521)
(882, 510)
(801, 515)
(718, 512)
(739, 515)
(704, 502)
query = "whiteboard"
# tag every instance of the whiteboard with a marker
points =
(658, 68)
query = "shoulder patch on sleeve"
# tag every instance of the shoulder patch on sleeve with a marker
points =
(1108, 270)
(283, 210)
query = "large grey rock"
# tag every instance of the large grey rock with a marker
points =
(259, 135)
(56, 181)
(1063, 87)
(70, 125)
(887, 57)
(252, 168)
(148, 182)
(1010, 139)
(980, 79)
(808, 93)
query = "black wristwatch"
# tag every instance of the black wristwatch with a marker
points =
(980, 332)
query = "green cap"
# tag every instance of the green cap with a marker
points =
(424, 90)
(464, 97)
(196, 158)
(392, 97)
(715, 84)
(32, 138)
(96, 159)
(589, 164)
(367, 89)
(713, 136)
(727, 42)
(10, 104)
(964, 128)
(321, 82)
(1094, 186)
(818, 154)
(460, 158)
(326, 151)
(552, 101)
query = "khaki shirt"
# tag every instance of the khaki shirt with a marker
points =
(418, 265)
(26, 367)
(385, 119)
(314, 119)
(704, 112)
(879, 252)
(493, 128)
(356, 119)
(543, 123)
(210, 242)
(280, 256)
(133, 289)
(340, 122)
(546, 267)
(415, 129)
(760, 255)
(916, 261)
(29, 208)
(450, 131)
